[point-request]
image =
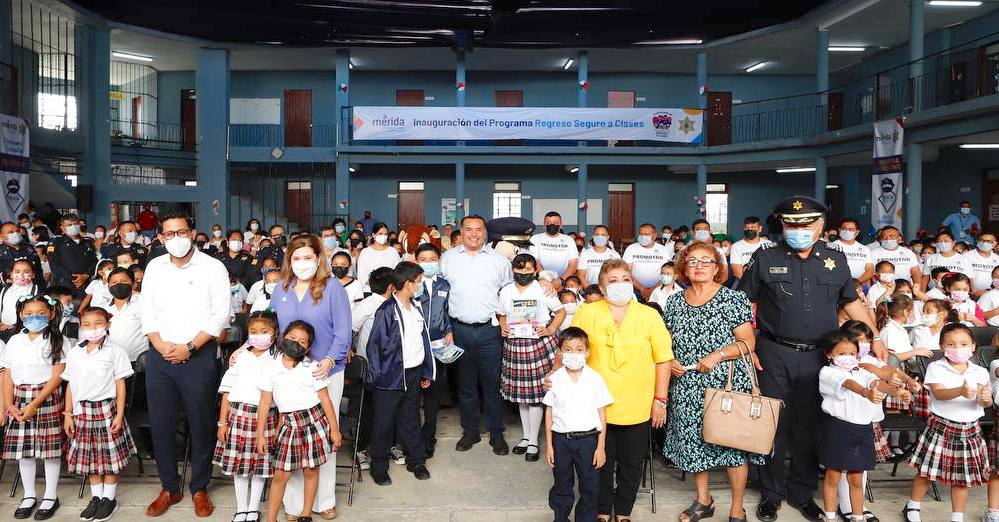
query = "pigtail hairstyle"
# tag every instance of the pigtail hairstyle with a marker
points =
(52, 331)
(270, 318)
(889, 308)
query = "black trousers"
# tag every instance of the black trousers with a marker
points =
(478, 373)
(192, 386)
(626, 447)
(793, 377)
(574, 460)
(431, 403)
(392, 407)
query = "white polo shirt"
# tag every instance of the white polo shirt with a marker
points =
(126, 328)
(844, 404)
(575, 405)
(591, 261)
(958, 409)
(293, 389)
(981, 268)
(362, 318)
(242, 380)
(30, 362)
(8, 302)
(903, 259)
(93, 376)
(922, 337)
(554, 253)
(857, 255)
(895, 338)
(646, 263)
(660, 295)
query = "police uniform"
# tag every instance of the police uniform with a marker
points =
(111, 252)
(797, 301)
(68, 257)
(274, 252)
(9, 254)
(156, 249)
(242, 265)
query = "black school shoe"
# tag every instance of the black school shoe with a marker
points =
(45, 514)
(106, 509)
(810, 510)
(22, 513)
(468, 439)
(382, 479)
(767, 510)
(499, 445)
(419, 470)
(91, 509)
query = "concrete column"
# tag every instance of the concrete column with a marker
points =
(211, 81)
(916, 9)
(581, 178)
(95, 114)
(459, 77)
(582, 75)
(702, 78)
(821, 178)
(6, 46)
(459, 189)
(702, 185)
(822, 66)
(914, 188)
(341, 101)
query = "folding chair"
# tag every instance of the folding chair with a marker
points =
(649, 472)
(355, 376)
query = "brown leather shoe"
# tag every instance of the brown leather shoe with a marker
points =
(202, 505)
(163, 503)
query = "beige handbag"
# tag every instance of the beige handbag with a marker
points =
(744, 421)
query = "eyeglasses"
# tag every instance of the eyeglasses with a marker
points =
(706, 261)
(185, 233)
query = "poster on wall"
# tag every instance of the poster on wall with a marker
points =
(886, 181)
(531, 123)
(449, 211)
(13, 167)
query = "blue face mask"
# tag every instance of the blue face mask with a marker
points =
(430, 269)
(35, 323)
(798, 239)
(419, 291)
(329, 242)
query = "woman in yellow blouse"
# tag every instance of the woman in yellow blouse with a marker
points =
(631, 349)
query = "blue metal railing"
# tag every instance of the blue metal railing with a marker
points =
(150, 135)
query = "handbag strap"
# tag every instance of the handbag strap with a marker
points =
(747, 360)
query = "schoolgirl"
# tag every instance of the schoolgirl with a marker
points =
(100, 443)
(957, 286)
(951, 449)
(891, 315)
(936, 314)
(885, 285)
(22, 276)
(97, 290)
(307, 431)
(236, 452)
(33, 401)
(992, 511)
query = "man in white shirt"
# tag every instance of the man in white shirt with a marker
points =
(742, 250)
(184, 307)
(981, 262)
(554, 250)
(858, 256)
(645, 258)
(906, 263)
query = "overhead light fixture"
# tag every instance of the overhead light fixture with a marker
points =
(846, 49)
(756, 67)
(130, 56)
(954, 3)
(350, 64)
(561, 9)
(352, 169)
(190, 183)
(271, 42)
(572, 169)
(792, 170)
(568, 63)
(980, 146)
(681, 41)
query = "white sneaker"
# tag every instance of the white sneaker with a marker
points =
(363, 460)
(397, 455)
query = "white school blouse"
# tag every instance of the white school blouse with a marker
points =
(844, 404)
(895, 337)
(242, 380)
(30, 362)
(958, 409)
(93, 376)
(922, 337)
(293, 389)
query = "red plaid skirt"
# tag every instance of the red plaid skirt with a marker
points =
(303, 441)
(952, 453)
(525, 364)
(920, 405)
(41, 436)
(237, 454)
(882, 451)
(93, 448)
(994, 447)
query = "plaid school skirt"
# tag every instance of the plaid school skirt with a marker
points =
(920, 405)
(994, 447)
(525, 364)
(952, 453)
(882, 450)
(93, 448)
(41, 436)
(237, 454)
(303, 441)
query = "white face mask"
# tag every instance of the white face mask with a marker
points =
(645, 240)
(945, 246)
(600, 241)
(889, 244)
(620, 293)
(570, 308)
(98, 234)
(235, 245)
(269, 287)
(304, 269)
(217, 233)
(129, 237)
(254, 227)
(14, 238)
(848, 235)
(381, 239)
(886, 277)
(574, 361)
(928, 319)
(73, 230)
(178, 246)
(702, 235)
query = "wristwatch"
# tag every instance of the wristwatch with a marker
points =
(191, 348)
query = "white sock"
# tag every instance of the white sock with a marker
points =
(536, 414)
(831, 516)
(97, 490)
(525, 421)
(256, 492)
(242, 485)
(110, 490)
(913, 516)
(51, 482)
(957, 517)
(28, 467)
(843, 492)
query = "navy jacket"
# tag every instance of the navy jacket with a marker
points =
(438, 320)
(386, 370)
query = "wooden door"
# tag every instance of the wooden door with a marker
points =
(990, 202)
(719, 118)
(509, 99)
(409, 98)
(621, 213)
(834, 114)
(297, 118)
(836, 202)
(298, 202)
(410, 203)
(188, 117)
(137, 117)
(621, 100)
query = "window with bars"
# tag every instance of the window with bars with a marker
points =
(506, 199)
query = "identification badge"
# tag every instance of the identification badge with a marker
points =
(778, 270)
(441, 293)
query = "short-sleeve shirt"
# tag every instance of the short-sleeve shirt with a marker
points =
(575, 405)
(93, 376)
(981, 268)
(844, 404)
(922, 337)
(959, 225)
(238, 298)
(742, 251)
(100, 296)
(903, 259)
(30, 362)
(242, 380)
(647, 263)
(988, 302)
(126, 328)
(857, 255)
(895, 338)
(554, 253)
(955, 263)
(531, 305)
(625, 356)
(293, 389)
(958, 409)
(591, 261)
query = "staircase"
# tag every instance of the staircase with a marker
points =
(243, 208)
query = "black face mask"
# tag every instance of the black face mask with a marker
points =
(524, 279)
(293, 350)
(833, 237)
(120, 290)
(552, 229)
(354, 243)
(200, 244)
(750, 234)
(279, 241)
(339, 271)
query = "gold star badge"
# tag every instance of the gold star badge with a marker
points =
(830, 263)
(797, 205)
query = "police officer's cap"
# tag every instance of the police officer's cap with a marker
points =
(511, 229)
(800, 210)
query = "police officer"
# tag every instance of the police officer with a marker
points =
(124, 241)
(276, 249)
(13, 247)
(798, 285)
(72, 257)
(236, 261)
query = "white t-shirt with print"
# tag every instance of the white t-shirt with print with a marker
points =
(554, 253)
(981, 268)
(988, 302)
(858, 256)
(742, 251)
(903, 259)
(531, 305)
(591, 261)
(955, 263)
(646, 263)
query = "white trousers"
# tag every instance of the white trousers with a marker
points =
(294, 495)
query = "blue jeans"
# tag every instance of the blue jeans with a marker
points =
(478, 371)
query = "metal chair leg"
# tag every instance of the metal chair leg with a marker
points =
(83, 483)
(652, 476)
(17, 482)
(936, 492)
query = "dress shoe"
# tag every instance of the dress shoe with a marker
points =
(468, 439)
(767, 510)
(520, 448)
(419, 470)
(22, 513)
(45, 514)
(163, 503)
(532, 456)
(499, 445)
(430, 451)
(381, 478)
(202, 505)
(810, 510)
